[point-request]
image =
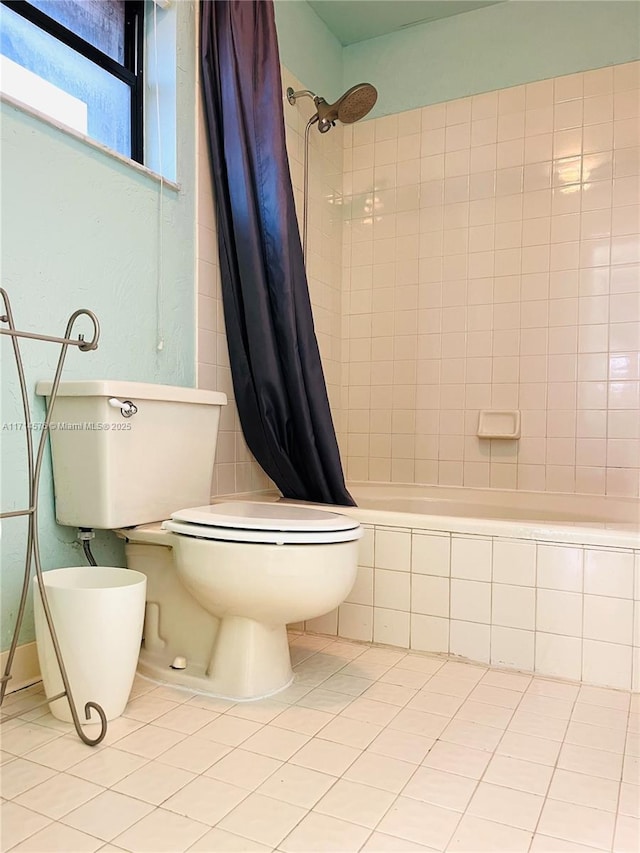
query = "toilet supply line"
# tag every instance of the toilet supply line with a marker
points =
(32, 555)
(85, 535)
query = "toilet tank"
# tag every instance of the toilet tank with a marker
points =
(113, 471)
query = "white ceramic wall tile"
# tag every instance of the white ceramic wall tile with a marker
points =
(391, 627)
(362, 590)
(429, 633)
(512, 648)
(430, 595)
(365, 547)
(392, 590)
(393, 549)
(430, 554)
(558, 656)
(471, 558)
(607, 664)
(520, 626)
(470, 640)
(325, 624)
(609, 619)
(514, 562)
(471, 601)
(559, 612)
(517, 207)
(513, 606)
(608, 573)
(560, 567)
(355, 622)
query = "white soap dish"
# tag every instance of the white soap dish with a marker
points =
(499, 423)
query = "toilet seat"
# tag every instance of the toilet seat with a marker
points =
(267, 523)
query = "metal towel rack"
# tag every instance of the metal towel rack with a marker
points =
(32, 556)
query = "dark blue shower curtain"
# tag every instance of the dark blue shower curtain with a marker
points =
(275, 363)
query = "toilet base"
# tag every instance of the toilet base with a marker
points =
(249, 661)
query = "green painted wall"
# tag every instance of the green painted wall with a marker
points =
(492, 48)
(308, 48)
(80, 229)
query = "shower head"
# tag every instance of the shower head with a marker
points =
(356, 103)
(351, 107)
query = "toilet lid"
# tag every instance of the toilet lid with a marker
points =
(242, 521)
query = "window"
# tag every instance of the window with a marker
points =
(79, 62)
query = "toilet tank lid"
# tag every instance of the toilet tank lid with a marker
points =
(265, 516)
(132, 390)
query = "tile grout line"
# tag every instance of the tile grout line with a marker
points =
(621, 781)
(328, 675)
(555, 767)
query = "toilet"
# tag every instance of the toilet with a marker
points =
(223, 580)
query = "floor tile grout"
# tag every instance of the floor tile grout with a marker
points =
(398, 693)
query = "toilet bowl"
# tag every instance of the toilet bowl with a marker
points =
(258, 567)
(223, 580)
(223, 583)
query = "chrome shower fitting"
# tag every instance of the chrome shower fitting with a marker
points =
(349, 108)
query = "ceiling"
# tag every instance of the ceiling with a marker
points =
(356, 20)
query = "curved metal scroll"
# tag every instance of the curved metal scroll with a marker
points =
(32, 556)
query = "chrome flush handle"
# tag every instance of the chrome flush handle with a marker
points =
(127, 408)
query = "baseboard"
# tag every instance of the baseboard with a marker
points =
(25, 669)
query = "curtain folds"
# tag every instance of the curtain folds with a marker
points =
(275, 363)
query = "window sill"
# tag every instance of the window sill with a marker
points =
(87, 140)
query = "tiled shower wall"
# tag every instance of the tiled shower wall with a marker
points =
(235, 469)
(491, 260)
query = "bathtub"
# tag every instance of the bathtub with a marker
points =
(540, 582)
(583, 519)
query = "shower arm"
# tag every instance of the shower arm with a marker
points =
(292, 96)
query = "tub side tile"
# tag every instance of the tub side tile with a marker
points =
(512, 648)
(391, 627)
(471, 601)
(608, 619)
(514, 562)
(559, 612)
(513, 606)
(430, 595)
(608, 572)
(471, 558)
(558, 656)
(470, 640)
(362, 590)
(430, 554)
(393, 549)
(429, 633)
(607, 664)
(560, 567)
(355, 622)
(392, 590)
(366, 547)
(325, 624)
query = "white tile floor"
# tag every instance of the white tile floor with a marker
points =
(371, 749)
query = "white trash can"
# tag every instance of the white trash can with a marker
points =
(98, 614)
